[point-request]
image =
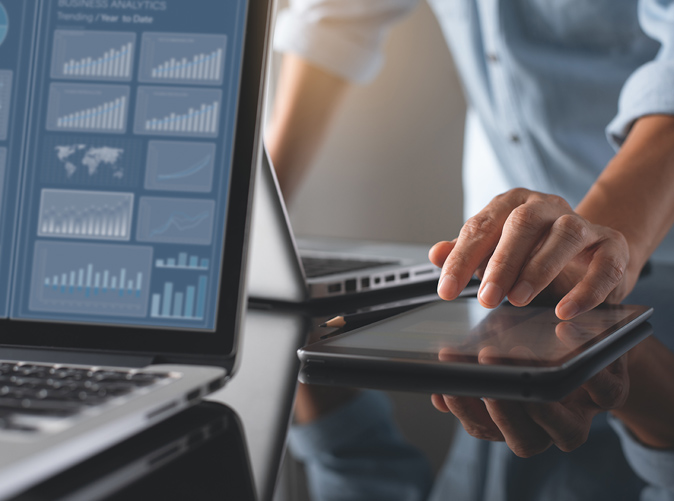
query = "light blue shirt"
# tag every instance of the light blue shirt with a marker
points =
(548, 79)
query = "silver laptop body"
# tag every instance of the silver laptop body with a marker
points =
(277, 271)
(131, 132)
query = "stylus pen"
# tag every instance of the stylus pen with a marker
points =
(359, 319)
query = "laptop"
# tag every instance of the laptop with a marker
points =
(312, 269)
(128, 132)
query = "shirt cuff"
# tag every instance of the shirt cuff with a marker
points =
(655, 466)
(340, 428)
(648, 91)
(327, 47)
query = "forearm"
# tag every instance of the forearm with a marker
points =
(635, 193)
(305, 103)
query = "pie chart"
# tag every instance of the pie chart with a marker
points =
(4, 22)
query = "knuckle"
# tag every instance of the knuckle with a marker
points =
(575, 439)
(519, 193)
(501, 267)
(530, 448)
(479, 431)
(613, 396)
(571, 228)
(479, 227)
(526, 218)
(613, 269)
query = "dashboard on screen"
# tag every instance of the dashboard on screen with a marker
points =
(117, 121)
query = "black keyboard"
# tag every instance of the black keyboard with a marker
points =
(320, 266)
(32, 393)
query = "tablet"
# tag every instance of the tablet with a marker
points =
(462, 348)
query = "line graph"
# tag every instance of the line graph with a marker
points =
(181, 222)
(180, 166)
(175, 220)
(190, 171)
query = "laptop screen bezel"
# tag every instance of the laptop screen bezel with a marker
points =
(174, 345)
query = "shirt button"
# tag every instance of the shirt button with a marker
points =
(514, 138)
(492, 57)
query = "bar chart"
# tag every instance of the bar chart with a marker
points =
(201, 67)
(187, 304)
(5, 100)
(183, 261)
(93, 55)
(178, 112)
(196, 120)
(98, 279)
(196, 59)
(88, 108)
(85, 214)
(88, 281)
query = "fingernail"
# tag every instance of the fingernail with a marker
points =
(521, 293)
(568, 310)
(491, 294)
(448, 287)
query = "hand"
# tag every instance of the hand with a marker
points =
(525, 243)
(531, 428)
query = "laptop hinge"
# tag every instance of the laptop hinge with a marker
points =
(74, 357)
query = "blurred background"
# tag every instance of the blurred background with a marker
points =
(391, 170)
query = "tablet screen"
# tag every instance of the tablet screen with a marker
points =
(464, 331)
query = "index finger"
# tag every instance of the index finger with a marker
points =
(477, 240)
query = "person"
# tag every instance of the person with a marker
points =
(566, 217)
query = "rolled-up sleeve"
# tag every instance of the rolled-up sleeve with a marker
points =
(654, 466)
(650, 89)
(356, 453)
(344, 37)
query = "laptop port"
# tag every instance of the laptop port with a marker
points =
(332, 288)
(365, 283)
(390, 278)
(404, 276)
(350, 285)
(193, 395)
(377, 280)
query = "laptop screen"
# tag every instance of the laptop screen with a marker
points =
(117, 124)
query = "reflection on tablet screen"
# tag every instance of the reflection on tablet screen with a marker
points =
(465, 331)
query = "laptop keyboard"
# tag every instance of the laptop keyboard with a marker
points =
(321, 266)
(36, 397)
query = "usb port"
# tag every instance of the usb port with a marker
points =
(332, 288)
(389, 278)
(404, 276)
